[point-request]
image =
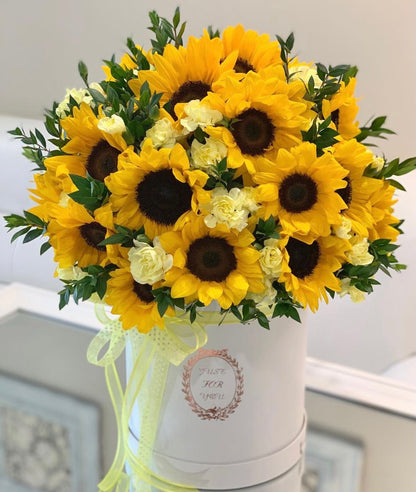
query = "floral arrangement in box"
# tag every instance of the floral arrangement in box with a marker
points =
(224, 171)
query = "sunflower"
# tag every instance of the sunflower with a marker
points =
(89, 149)
(267, 114)
(48, 194)
(343, 109)
(211, 265)
(133, 302)
(308, 269)
(355, 157)
(75, 235)
(382, 202)
(255, 51)
(299, 189)
(183, 74)
(154, 189)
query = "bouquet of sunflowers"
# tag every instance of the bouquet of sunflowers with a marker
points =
(225, 170)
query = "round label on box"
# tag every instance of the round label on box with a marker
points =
(213, 384)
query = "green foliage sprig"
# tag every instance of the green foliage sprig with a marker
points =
(95, 282)
(34, 147)
(321, 135)
(166, 32)
(221, 175)
(392, 168)
(374, 129)
(286, 46)
(30, 226)
(125, 237)
(165, 300)
(91, 193)
(266, 229)
(331, 78)
(362, 276)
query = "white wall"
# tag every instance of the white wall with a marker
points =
(41, 43)
(388, 440)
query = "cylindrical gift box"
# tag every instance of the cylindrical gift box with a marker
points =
(232, 414)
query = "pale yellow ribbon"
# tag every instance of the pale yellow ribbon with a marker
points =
(152, 355)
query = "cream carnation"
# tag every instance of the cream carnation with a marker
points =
(70, 273)
(358, 254)
(378, 163)
(265, 299)
(163, 134)
(148, 264)
(271, 258)
(199, 115)
(343, 231)
(206, 156)
(230, 208)
(79, 95)
(355, 294)
(114, 125)
(304, 72)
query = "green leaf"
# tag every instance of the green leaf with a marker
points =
(20, 233)
(101, 286)
(50, 127)
(16, 132)
(34, 219)
(236, 312)
(162, 304)
(396, 184)
(97, 96)
(40, 137)
(262, 320)
(45, 247)
(33, 234)
(83, 72)
(290, 41)
(114, 239)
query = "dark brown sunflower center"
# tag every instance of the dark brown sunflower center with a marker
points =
(187, 92)
(102, 161)
(335, 117)
(346, 193)
(243, 66)
(297, 193)
(253, 132)
(143, 292)
(93, 234)
(162, 198)
(303, 258)
(211, 259)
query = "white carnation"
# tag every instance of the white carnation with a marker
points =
(271, 258)
(163, 134)
(114, 125)
(230, 208)
(206, 156)
(199, 115)
(358, 254)
(79, 95)
(148, 264)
